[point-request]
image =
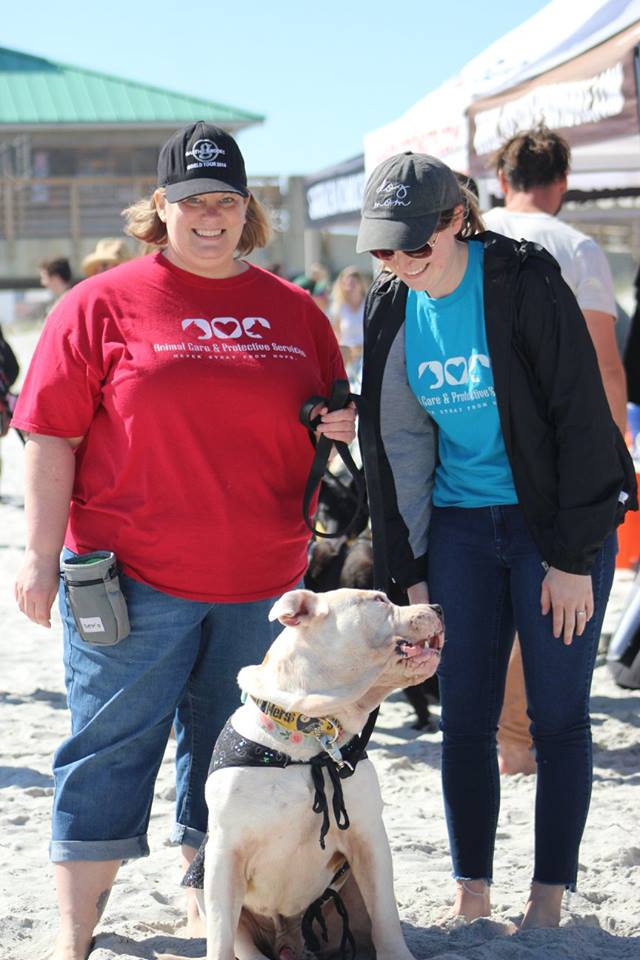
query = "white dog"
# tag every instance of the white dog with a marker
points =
(286, 834)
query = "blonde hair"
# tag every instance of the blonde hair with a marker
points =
(143, 223)
(337, 291)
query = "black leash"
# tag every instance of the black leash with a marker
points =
(8, 401)
(313, 914)
(320, 804)
(354, 751)
(340, 398)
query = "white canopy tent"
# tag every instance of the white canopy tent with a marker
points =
(524, 59)
(590, 98)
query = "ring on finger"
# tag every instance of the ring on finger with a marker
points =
(581, 613)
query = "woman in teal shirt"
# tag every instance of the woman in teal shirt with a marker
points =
(496, 480)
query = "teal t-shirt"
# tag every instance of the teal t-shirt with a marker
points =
(449, 370)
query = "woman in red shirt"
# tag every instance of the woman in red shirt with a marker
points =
(162, 411)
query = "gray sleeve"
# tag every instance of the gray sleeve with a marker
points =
(410, 443)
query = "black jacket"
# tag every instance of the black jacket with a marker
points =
(632, 350)
(9, 368)
(572, 472)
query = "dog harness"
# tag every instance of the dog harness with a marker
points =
(234, 750)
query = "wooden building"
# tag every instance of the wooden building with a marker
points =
(76, 147)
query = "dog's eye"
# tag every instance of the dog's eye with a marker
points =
(381, 597)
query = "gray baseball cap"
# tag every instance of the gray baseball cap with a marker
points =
(403, 200)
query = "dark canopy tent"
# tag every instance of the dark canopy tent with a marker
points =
(591, 99)
(333, 196)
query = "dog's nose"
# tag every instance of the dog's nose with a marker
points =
(438, 609)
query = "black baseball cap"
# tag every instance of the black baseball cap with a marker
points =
(403, 200)
(198, 159)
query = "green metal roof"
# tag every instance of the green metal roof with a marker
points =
(34, 90)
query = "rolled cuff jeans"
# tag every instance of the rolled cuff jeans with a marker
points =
(177, 666)
(486, 572)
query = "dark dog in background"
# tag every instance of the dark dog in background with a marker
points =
(347, 561)
(334, 561)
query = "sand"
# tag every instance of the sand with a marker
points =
(145, 915)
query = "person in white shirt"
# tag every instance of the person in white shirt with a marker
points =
(346, 311)
(532, 169)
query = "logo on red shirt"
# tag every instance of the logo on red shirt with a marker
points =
(227, 328)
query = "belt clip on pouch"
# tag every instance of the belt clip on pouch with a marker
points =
(96, 600)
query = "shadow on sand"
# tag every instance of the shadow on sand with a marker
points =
(23, 777)
(488, 939)
(151, 947)
(54, 698)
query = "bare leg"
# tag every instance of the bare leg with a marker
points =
(83, 890)
(515, 759)
(195, 923)
(514, 740)
(543, 907)
(473, 900)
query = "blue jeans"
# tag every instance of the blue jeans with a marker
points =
(177, 666)
(486, 572)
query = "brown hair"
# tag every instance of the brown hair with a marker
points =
(143, 223)
(59, 267)
(533, 158)
(471, 217)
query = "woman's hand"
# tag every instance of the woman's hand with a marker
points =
(418, 593)
(570, 598)
(337, 424)
(37, 585)
(49, 473)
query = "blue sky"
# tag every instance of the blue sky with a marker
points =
(323, 74)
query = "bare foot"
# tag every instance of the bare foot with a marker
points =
(543, 907)
(196, 926)
(69, 949)
(516, 758)
(472, 901)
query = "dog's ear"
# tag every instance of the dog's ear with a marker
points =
(299, 608)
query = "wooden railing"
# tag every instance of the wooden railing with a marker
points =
(76, 207)
(70, 207)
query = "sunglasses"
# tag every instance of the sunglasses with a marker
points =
(420, 253)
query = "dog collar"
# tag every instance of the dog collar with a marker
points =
(295, 726)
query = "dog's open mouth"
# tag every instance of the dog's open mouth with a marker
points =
(426, 646)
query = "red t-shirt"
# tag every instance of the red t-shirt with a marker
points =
(187, 392)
